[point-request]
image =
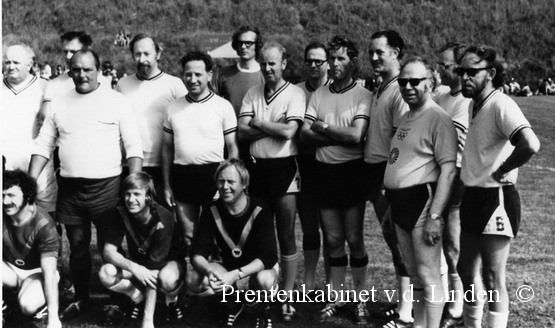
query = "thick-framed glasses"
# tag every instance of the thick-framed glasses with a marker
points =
(317, 62)
(414, 82)
(445, 66)
(247, 44)
(469, 71)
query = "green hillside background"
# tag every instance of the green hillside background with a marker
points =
(521, 29)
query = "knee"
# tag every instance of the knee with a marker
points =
(334, 241)
(194, 281)
(492, 279)
(108, 275)
(266, 279)
(30, 304)
(169, 279)
(356, 245)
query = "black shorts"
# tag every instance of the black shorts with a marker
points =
(307, 170)
(407, 204)
(271, 177)
(376, 173)
(83, 200)
(482, 213)
(341, 185)
(194, 183)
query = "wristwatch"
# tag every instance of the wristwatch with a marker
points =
(435, 217)
(241, 274)
(324, 127)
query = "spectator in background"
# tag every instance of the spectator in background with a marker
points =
(46, 71)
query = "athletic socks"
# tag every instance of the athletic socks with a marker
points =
(456, 304)
(473, 315)
(497, 319)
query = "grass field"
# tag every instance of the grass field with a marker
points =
(532, 259)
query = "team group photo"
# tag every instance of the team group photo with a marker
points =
(359, 174)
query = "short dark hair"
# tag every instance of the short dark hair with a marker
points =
(393, 38)
(488, 54)
(197, 55)
(340, 41)
(315, 45)
(87, 51)
(239, 166)
(82, 36)
(24, 181)
(140, 37)
(457, 48)
(141, 180)
(244, 29)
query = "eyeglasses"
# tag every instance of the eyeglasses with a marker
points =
(247, 44)
(469, 71)
(414, 82)
(317, 62)
(445, 66)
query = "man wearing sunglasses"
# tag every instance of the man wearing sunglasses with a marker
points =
(418, 180)
(316, 64)
(233, 82)
(385, 51)
(500, 140)
(456, 105)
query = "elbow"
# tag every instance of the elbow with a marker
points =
(534, 146)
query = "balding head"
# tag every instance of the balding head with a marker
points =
(17, 62)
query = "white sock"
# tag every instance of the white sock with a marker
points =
(126, 287)
(456, 305)
(497, 319)
(473, 315)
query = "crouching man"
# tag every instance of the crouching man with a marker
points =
(244, 235)
(30, 250)
(155, 261)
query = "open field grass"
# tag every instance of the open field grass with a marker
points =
(532, 259)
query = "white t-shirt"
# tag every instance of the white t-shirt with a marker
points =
(424, 140)
(308, 90)
(89, 129)
(492, 126)
(339, 108)
(149, 100)
(387, 108)
(199, 127)
(286, 104)
(456, 105)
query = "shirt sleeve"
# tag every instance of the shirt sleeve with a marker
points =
(229, 123)
(445, 140)
(311, 114)
(48, 241)
(265, 239)
(46, 140)
(297, 106)
(363, 108)
(510, 119)
(247, 108)
(167, 124)
(203, 240)
(129, 131)
(398, 108)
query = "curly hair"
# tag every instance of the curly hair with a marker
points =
(244, 29)
(24, 181)
(489, 55)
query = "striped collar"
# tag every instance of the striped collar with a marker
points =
(203, 100)
(277, 93)
(456, 93)
(155, 77)
(17, 91)
(345, 89)
(382, 87)
(311, 89)
(478, 107)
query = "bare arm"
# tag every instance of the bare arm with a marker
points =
(167, 160)
(48, 266)
(432, 228)
(36, 165)
(231, 144)
(526, 145)
(135, 164)
(314, 138)
(345, 135)
(285, 130)
(248, 132)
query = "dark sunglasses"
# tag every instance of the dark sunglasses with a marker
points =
(247, 44)
(317, 62)
(469, 71)
(414, 82)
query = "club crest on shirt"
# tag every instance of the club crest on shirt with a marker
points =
(393, 155)
(402, 134)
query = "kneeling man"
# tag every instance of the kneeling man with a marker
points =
(245, 236)
(155, 261)
(30, 249)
